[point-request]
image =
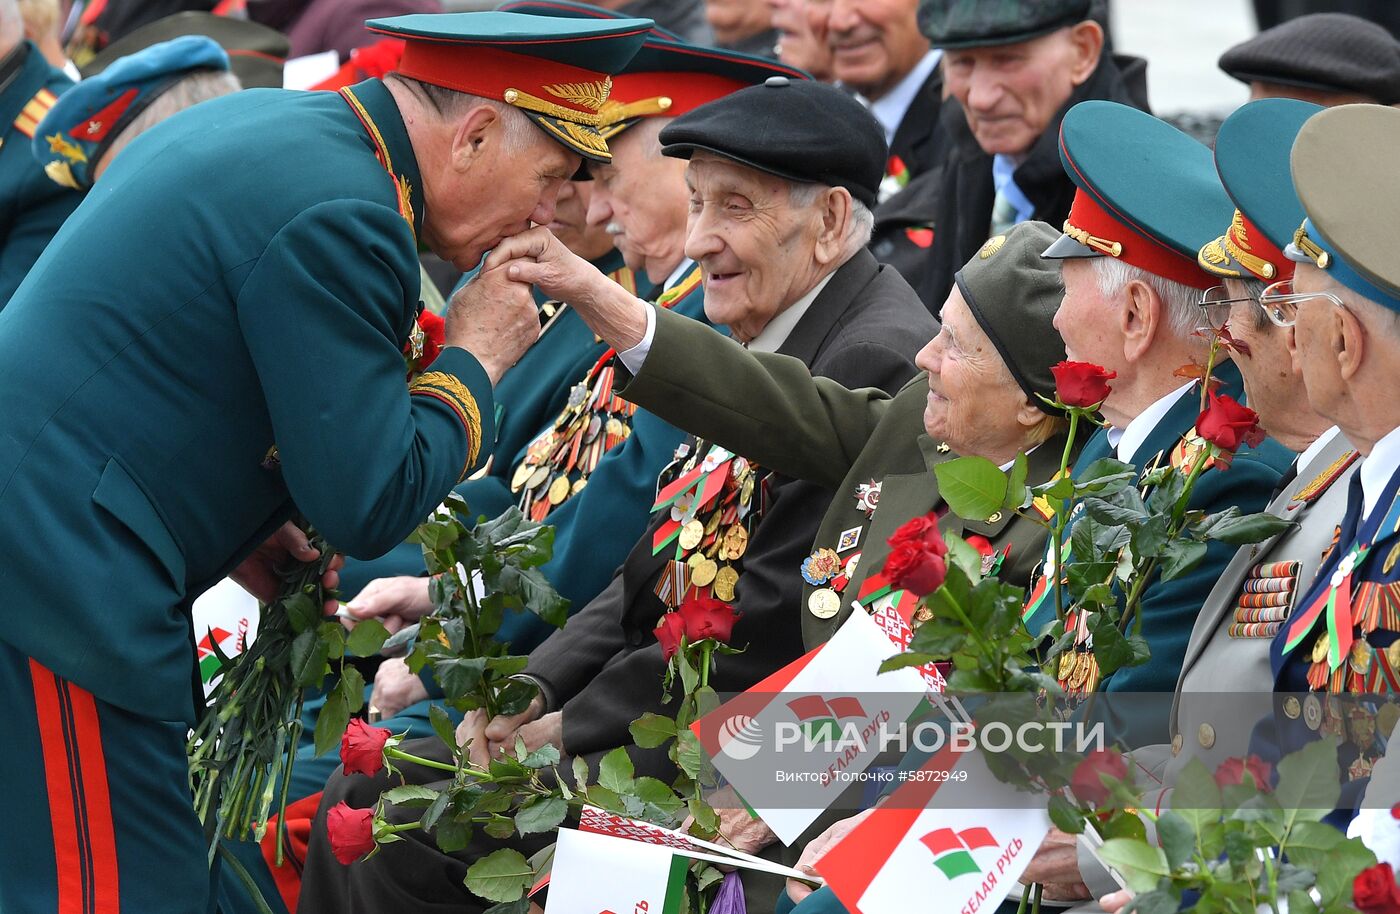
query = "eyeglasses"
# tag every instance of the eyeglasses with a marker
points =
(1216, 303)
(1280, 302)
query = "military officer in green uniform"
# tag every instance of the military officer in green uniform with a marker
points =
(227, 327)
(1337, 658)
(31, 206)
(1226, 668)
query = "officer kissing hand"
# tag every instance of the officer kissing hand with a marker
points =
(494, 318)
(537, 258)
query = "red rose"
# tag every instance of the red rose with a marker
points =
(1087, 782)
(1226, 424)
(1232, 771)
(362, 748)
(351, 832)
(669, 634)
(706, 617)
(434, 337)
(1374, 891)
(919, 571)
(920, 531)
(1082, 384)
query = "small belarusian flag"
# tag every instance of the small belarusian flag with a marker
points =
(966, 845)
(595, 873)
(209, 664)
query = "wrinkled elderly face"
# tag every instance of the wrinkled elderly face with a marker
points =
(1263, 359)
(640, 198)
(570, 223)
(756, 249)
(874, 43)
(1012, 92)
(1087, 321)
(798, 46)
(973, 400)
(735, 20)
(1313, 336)
(497, 193)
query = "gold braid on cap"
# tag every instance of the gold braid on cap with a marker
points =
(578, 135)
(1102, 245)
(1240, 250)
(586, 95)
(614, 112)
(1302, 242)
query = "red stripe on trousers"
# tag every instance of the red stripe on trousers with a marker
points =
(79, 761)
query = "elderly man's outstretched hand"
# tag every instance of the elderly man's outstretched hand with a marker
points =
(539, 259)
(495, 319)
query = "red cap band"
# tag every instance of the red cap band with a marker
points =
(488, 72)
(687, 91)
(1092, 225)
(94, 129)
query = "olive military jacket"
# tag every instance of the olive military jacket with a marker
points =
(769, 407)
(245, 278)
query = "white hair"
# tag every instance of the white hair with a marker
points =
(40, 17)
(197, 87)
(802, 194)
(1182, 302)
(518, 133)
(11, 26)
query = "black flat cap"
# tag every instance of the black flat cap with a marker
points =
(954, 24)
(1013, 295)
(1330, 52)
(800, 130)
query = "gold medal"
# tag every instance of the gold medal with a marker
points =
(712, 524)
(1066, 668)
(578, 485)
(559, 490)
(1312, 711)
(1319, 653)
(1082, 670)
(736, 542)
(746, 489)
(1386, 719)
(824, 603)
(923, 613)
(521, 476)
(1361, 656)
(537, 478)
(1391, 559)
(1292, 707)
(726, 579)
(691, 535)
(1392, 654)
(702, 570)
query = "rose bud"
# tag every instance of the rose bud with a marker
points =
(920, 531)
(351, 832)
(362, 748)
(1374, 890)
(669, 634)
(1233, 770)
(1226, 424)
(1081, 384)
(919, 571)
(1087, 782)
(707, 617)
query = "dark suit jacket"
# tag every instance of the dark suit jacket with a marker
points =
(920, 140)
(604, 667)
(955, 199)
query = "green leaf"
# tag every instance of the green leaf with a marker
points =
(352, 687)
(905, 660)
(1154, 902)
(515, 696)
(541, 815)
(1177, 837)
(1112, 512)
(1016, 495)
(1150, 538)
(1196, 796)
(330, 722)
(1336, 878)
(442, 725)
(962, 555)
(542, 599)
(452, 835)
(580, 773)
(500, 827)
(543, 757)
(410, 795)
(615, 771)
(974, 488)
(652, 730)
(1180, 557)
(435, 811)
(657, 793)
(504, 875)
(689, 754)
(1139, 864)
(308, 663)
(1112, 649)
(1309, 782)
(366, 638)
(704, 814)
(459, 676)
(519, 906)
(302, 612)
(1066, 815)
(1251, 528)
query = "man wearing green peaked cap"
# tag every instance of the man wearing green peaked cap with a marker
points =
(245, 281)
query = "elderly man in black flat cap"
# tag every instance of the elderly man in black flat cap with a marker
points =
(1324, 58)
(1011, 70)
(779, 233)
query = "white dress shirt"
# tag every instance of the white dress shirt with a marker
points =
(890, 108)
(633, 358)
(1126, 441)
(1377, 469)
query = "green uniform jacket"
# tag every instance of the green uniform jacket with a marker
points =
(769, 408)
(31, 206)
(245, 275)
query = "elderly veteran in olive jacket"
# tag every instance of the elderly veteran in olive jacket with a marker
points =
(979, 395)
